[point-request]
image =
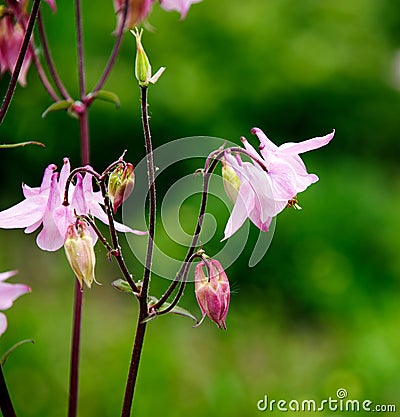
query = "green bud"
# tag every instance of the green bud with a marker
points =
(231, 181)
(78, 247)
(120, 185)
(142, 63)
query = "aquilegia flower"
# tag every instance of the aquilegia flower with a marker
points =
(8, 294)
(271, 181)
(138, 10)
(43, 206)
(212, 291)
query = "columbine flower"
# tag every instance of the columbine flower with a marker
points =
(8, 294)
(271, 181)
(212, 291)
(138, 10)
(43, 206)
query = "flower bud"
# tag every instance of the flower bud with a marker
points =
(142, 63)
(212, 291)
(120, 185)
(80, 254)
(231, 181)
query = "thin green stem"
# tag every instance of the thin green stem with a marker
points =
(143, 297)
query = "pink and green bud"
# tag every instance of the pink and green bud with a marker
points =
(231, 181)
(80, 254)
(120, 185)
(212, 291)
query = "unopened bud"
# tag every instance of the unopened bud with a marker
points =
(120, 185)
(212, 291)
(231, 181)
(80, 254)
(142, 64)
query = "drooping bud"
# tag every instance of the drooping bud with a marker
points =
(212, 291)
(231, 181)
(80, 254)
(142, 64)
(120, 185)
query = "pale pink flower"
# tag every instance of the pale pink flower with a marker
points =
(138, 10)
(8, 294)
(212, 291)
(271, 181)
(43, 206)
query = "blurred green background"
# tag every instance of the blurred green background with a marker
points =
(321, 311)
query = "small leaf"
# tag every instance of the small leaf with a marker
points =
(105, 95)
(57, 106)
(122, 285)
(175, 310)
(12, 348)
(17, 145)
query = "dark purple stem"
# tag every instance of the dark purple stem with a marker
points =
(85, 159)
(6, 406)
(49, 60)
(143, 306)
(210, 165)
(114, 53)
(24, 47)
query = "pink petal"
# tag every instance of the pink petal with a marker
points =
(7, 274)
(10, 292)
(307, 145)
(181, 6)
(78, 201)
(243, 205)
(3, 323)
(64, 174)
(23, 214)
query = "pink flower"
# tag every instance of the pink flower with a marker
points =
(271, 181)
(139, 10)
(212, 291)
(8, 294)
(43, 206)
(11, 38)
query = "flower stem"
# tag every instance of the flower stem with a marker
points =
(114, 53)
(143, 306)
(85, 159)
(49, 60)
(6, 406)
(24, 47)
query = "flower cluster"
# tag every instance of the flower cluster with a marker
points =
(44, 206)
(8, 294)
(138, 10)
(270, 182)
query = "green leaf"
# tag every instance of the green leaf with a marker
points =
(175, 310)
(12, 348)
(17, 145)
(105, 95)
(57, 106)
(122, 285)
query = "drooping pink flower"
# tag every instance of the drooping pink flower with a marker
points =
(138, 10)
(271, 181)
(43, 206)
(212, 291)
(11, 38)
(8, 294)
